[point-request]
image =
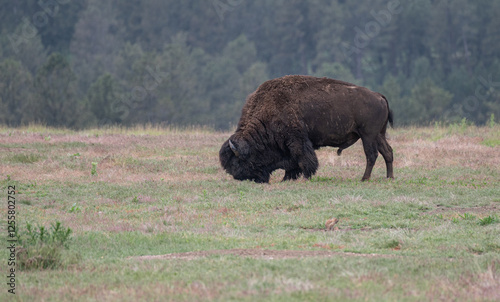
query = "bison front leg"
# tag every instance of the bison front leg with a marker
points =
(305, 157)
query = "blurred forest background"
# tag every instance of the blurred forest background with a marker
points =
(90, 63)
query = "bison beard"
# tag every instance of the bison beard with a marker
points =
(287, 118)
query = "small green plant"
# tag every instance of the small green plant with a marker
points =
(135, 199)
(488, 220)
(47, 138)
(467, 216)
(464, 123)
(464, 216)
(93, 170)
(42, 248)
(491, 122)
(204, 195)
(74, 208)
(241, 196)
(459, 127)
(57, 234)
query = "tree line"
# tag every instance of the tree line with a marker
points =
(92, 63)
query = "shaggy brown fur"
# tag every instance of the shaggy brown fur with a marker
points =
(287, 118)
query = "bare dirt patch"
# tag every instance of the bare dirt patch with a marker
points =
(258, 254)
(337, 229)
(486, 210)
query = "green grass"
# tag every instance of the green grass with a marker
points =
(491, 142)
(24, 158)
(429, 234)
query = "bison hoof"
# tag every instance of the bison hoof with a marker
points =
(291, 175)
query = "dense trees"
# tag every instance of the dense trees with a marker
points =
(56, 103)
(89, 63)
(16, 93)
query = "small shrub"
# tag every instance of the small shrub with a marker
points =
(93, 170)
(459, 127)
(492, 121)
(204, 195)
(42, 248)
(464, 216)
(467, 216)
(39, 257)
(464, 123)
(241, 196)
(488, 220)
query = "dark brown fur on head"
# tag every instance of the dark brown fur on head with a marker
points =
(237, 160)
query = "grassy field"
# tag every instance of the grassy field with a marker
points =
(155, 218)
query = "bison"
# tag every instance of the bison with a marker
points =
(287, 118)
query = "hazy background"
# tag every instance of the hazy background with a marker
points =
(192, 62)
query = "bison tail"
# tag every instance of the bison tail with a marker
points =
(391, 121)
(390, 118)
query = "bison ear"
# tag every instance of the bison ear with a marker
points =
(234, 149)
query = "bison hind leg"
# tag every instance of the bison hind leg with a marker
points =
(385, 149)
(371, 153)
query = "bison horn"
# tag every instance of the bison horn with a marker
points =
(233, 148)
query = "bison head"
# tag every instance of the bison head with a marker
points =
(242, 161)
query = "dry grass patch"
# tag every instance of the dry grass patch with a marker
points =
(186, 156)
